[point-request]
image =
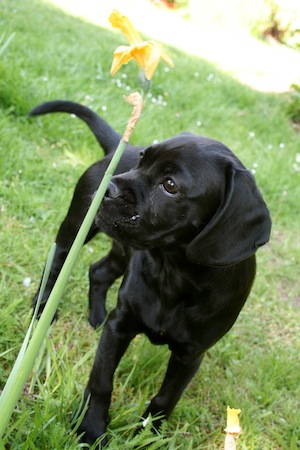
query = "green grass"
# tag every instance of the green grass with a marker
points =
(52, 55)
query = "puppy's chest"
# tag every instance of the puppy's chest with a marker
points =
(162, 321)
(163, 296)
(169, 285)
(163, 309)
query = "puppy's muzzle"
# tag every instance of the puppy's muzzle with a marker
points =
(119, 189)
(112, 191)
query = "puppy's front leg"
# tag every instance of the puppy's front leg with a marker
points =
(102, 275)
(113, 343)
(181, 370)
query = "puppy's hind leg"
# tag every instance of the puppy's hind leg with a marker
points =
(102, 275)
(68, 231)
(64, 241)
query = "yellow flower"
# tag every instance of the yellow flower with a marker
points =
(147, 54)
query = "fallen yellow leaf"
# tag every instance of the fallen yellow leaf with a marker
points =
(233, 429)
(233, 423)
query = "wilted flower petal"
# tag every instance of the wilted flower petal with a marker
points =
(147, 54)
(122, 22)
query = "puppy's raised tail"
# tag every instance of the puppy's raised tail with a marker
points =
(107, 137)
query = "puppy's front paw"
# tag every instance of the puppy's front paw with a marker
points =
(89, 433)
(97, 315)
(91, 429)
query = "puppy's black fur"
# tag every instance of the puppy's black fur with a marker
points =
(186, 219)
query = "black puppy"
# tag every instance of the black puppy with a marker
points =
(186, 219)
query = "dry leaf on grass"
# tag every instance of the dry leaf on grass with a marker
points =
(233, 429)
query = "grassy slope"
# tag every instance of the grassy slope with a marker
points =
(255, 366)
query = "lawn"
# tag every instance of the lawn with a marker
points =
(256, 366)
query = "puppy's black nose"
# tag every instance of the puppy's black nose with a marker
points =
(112, 191)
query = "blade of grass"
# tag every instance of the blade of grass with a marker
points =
(5, 43)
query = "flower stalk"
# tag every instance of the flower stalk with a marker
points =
(147, 56)
(16, 382)
(136, 100)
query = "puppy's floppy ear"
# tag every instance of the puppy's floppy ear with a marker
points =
(239, 226)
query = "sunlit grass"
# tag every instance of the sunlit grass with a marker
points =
(254, 367)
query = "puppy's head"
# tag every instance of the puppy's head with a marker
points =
(192, 192)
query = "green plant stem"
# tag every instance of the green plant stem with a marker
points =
(13, 375)
(13, 388)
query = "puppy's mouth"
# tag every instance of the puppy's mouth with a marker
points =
(110, 221)
(131, 220)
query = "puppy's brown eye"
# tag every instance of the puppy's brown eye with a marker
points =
(169, 186)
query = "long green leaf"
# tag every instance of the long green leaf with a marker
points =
(12, 377)
(11, 394)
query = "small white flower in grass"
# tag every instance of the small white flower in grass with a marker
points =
(153, 100)
(281, 145)
(27, 282)
(296, 167)
(198, 123)
(251, 134)
(164, 103)
(45, 79)
(54, 165)
(124, 75)
(270, 146)
(104, 108)
(31, 219)
(196, 74)
(210, 77)
(297, 157)
(166, 69)
(145, 422)
(254, 167)
(155, 141)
